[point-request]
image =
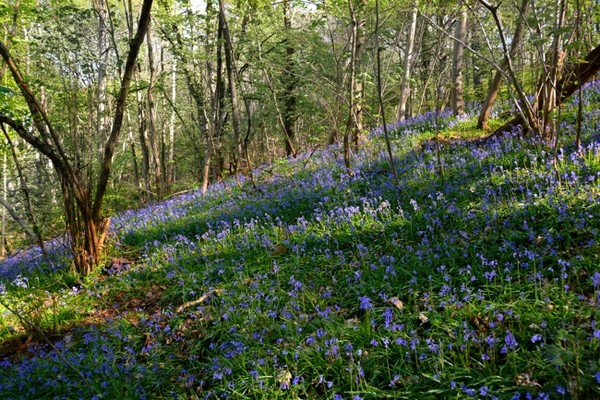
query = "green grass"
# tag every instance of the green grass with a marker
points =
(476, 279)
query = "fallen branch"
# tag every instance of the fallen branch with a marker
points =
(576, 76)
(198, 300)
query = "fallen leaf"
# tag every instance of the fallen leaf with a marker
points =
(279, 250)
(396, 302)
(284, 378)
(524, 379)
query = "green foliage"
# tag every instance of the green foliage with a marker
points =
(478, 280)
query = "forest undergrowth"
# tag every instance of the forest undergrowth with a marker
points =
(475, 276)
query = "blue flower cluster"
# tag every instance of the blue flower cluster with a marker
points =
(475, 276)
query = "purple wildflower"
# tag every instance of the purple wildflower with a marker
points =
(365, 303)
(596, 279)
(483, 391)
(510, 342)
(536, 338)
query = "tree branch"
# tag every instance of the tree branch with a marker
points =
(109, 149)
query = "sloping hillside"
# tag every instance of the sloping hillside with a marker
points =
(477, 275)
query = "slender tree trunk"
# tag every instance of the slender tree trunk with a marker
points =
(109, 149)
(354, 125)
(36, 233)
(278, 112)
(386, 135)
(238, 145)
(102, 120)
(196, 91)
(458, 60)
(208, 152)
(494, 88)
(408, 60)
(4, 203)
(289, 80)
(134, 160)
(144, 148)
(153, 133)
(524, 106)
(579, 91)
(358, 16)
(572, 79)
(171, 152)
(11, 32)
(341, 78)
(83, 210)
(552, 73)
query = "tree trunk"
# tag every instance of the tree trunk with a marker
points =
(83, 210)
(11, 33)
(386, 135)
(355, 121)
(238, 145)
(494, 89)
(196, 91)
(289, 80)
(458, 61)
(354, 125)
(278, 112)
(575, 77)
(102, 120)
(144, 148)
(106, 167)
(341, 86)
(551, 74)
(5, 204)
(170, 178)
(35, 233)
(153, 133)
(408, 60)
(526, 110)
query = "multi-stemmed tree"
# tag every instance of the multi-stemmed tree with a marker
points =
(83, 195)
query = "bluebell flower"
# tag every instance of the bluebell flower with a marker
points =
(468, 391)
(365, 303)
(510, 342)
(483, 390)
(536, 338)
(596, 279)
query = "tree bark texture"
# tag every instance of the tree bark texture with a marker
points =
(102, 120)
(359, 21)
(35, 231)
(153, 131)
(83, 209)
(289, 81)
(238, 151)
(408, 60)
(494, 88)
(458, 61)
(574, 77)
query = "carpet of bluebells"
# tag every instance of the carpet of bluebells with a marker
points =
(476, 275)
